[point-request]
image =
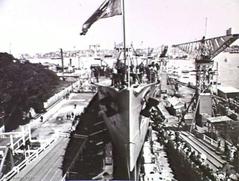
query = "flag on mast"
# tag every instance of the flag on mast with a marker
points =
(107, 9)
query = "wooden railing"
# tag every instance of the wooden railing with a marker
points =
(210, 140)
(33, 155)
(60, 95)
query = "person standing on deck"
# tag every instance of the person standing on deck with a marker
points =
(121, 70)
(96, 73)
(114, 76)
(141, 72)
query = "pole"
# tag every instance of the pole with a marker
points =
(62, 60)
(205, 27)
(124, 37)
(29, 133)
(124, 42)
(11, 142)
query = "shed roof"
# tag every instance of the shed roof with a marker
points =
(175, 101)
(219, 119)
(228, 89)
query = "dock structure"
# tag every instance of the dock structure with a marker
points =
(43, 141)
(214, 161)
(203, 51)
(227, 92)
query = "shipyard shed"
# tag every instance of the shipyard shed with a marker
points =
(227, 92)
(188, 118)
(164, 79)
(175, 106)
(205, 106)
(218, 124)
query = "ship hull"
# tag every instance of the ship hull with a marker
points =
(112, 116)
(127, 128)
(115, 114)
(138, 124)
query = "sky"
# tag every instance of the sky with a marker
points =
(30, 26)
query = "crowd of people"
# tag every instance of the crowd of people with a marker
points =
(150, 72)
(97, 71)
(119, 73)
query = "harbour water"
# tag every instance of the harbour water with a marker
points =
(228, 69)
(77, 62)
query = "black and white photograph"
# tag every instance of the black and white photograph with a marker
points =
(121, 90)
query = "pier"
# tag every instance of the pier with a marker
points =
(52, 134)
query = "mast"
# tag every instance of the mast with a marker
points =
(62, 60)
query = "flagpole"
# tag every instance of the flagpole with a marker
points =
(124, 42)
(124, 37)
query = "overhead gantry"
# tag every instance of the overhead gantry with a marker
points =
(203, 51)
(211, 46)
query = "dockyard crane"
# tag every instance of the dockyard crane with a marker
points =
(203, 51)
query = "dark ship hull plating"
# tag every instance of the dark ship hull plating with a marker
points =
(120, 110)
(115, 114)
(126, 125)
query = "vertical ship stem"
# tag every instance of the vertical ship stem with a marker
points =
(128, 77)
